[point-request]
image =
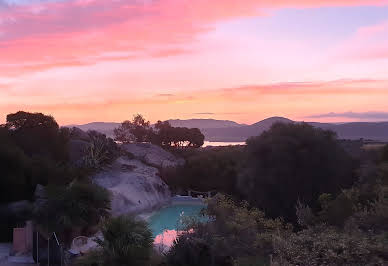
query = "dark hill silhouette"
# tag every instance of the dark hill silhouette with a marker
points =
(225, 130)
(203, 123)
(103, 127)
(243, 132)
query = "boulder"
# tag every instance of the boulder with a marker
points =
(135, 186)
(153, 155)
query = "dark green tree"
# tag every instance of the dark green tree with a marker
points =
(37, 135)
(292, 162)
(136, 130)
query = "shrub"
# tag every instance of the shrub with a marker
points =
(207, 170)
(126, 241)
(101, 150)
(79, 205)
(328, 246)
(235, 232)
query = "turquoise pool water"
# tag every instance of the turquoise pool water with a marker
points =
(170, 218)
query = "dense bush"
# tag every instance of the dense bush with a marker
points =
(324, 245)
(14, 183)
(100, 151)
(207, 170)
(384, 154)
(292, 162)
(235, 232)
(77, 206)
(126, 241)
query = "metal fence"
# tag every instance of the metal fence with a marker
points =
(47, 250)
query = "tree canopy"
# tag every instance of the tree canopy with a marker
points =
(162, 134)
(37, 135)
(292, 162)
(166, 135)
(136, 130)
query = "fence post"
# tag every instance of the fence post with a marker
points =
(48, 251)
(37, 247)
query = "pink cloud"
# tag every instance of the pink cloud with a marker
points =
(248, 103)
(76, 32)
(367, 43)
(337, 87)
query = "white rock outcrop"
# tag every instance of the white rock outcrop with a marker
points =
(153, 155)
(135, 183)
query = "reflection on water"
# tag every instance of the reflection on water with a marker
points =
(168, 237)
(217, 144)
(167, 223)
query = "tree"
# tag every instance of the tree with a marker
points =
(13, 167)
(162, 135)
(37, 135)
(136, 130)
(292, 162)
(168, 136)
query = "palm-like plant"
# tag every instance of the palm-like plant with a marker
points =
(126, 241)
(77, 205)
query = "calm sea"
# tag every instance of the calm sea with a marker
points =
(216, 144)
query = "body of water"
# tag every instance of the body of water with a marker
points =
(167, 222)
(220, 143)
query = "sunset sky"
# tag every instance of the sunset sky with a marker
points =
(241, 60)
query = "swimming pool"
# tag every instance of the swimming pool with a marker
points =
(166, 223)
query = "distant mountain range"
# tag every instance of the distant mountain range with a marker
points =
(204, 123)
(103, 127)
(225, 130)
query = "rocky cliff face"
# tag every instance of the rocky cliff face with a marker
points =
(134, 180)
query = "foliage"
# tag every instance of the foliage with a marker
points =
(324, 245)
(206, 170)
(13, 168)
(79, 205)
(136, 130)
(234, 231)
(92, 258)
(163, 134)
(126, 241)
(384, 153)
(292, 162)
(21, 172)
(189, 250)
(101, 150)
(350, 229)
(168, 136)
(37, 135)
